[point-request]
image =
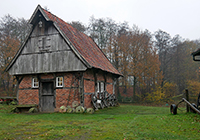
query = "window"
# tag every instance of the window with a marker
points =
(44, 43)
(59, 81)
(35, 83)
(100, 87)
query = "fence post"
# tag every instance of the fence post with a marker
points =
(187, 98)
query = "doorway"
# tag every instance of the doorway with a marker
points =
(47, 101)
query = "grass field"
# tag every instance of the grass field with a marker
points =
(117, 123)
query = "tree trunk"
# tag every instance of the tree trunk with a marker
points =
(134, 86)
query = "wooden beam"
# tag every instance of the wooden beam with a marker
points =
(194, 108)
(187, 98)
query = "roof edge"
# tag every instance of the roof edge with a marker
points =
(196, 52)
(106, 58)
(38, 8)
(71, 46)
(27, 37)
(18, 52)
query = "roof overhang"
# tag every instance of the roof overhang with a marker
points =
(196, 55)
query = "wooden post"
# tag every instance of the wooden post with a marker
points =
(187, 98)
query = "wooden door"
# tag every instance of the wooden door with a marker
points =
(47, 97)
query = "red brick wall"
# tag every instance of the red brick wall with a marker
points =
(87, 101)
(68, 79)
(62, 94)
(109, 88)
(29, 95)
(47, 76)
(26, 82)
(89, 87)
(109, 85)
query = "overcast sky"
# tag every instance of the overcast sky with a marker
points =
(173, 16)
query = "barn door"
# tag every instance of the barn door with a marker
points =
(47, 97)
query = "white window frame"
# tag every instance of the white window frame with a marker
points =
(100, 87)
(35, 82)
(58, 81)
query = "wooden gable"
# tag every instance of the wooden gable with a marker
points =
(45, 50)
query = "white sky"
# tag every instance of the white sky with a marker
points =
(173, 16)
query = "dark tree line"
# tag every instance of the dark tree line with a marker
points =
(176, 61)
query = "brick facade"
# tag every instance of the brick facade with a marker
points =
(26, 82)
(69, 92)
(27, 94)
(89, 87)
(109, 88)
(62, 97)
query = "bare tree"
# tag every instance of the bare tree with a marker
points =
(12, 33)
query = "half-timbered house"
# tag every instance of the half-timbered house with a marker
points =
(58, 65)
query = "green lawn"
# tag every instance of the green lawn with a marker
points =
(117, 123)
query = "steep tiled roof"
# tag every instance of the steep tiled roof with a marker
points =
(85, 46)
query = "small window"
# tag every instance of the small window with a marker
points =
(35, 83)
(59, 81)
(100, 87)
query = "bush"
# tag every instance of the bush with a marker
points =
(193, 87)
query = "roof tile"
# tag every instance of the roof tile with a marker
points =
(86, 47)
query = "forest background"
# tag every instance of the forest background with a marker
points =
(155, 66)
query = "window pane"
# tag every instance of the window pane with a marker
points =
(102, 86)
(98, 87)
(61, 79)
(60, 83)
(35, 83)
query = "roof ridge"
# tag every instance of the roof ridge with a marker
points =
(63, 21)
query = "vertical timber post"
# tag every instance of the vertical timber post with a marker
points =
(187, 98)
